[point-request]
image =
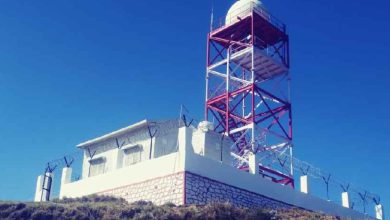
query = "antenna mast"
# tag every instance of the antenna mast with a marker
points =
(212, 16)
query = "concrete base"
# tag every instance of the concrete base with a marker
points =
(47, 184)
(66, 175)
(38, 189)
(253, 165)
(43, 188)
(345, 199)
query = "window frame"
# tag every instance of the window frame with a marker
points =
(94, 163)
(135, 156)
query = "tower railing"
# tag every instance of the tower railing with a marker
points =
(263, 47)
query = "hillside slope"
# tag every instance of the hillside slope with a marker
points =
(111, 208)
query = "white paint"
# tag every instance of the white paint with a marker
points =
(38, 189)
(114, 134)
(66, 175)
(185, 146)
(304, 183)
(212, 145)
(250, 126)
(165, 144)
(253, 165)
(118, 162)
(345, 199)
(379, 212)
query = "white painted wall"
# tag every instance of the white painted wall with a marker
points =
(166, 143)
(212, 145)
(108, 149)
(147, 170)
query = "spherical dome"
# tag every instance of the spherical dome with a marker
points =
(240, 9)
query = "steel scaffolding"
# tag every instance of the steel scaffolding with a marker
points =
(247, 90)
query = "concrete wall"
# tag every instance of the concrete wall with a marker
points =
(109, 150)
(212, 145)
(145, 171)
(166, 143)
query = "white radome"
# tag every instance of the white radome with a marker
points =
(240, 9)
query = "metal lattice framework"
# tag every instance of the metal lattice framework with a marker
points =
(247, 89)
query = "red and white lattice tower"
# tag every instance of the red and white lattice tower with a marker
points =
(247, 88)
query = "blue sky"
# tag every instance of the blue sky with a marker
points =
(73, 70)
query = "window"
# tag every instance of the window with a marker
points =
(97, 166)
(131, 156)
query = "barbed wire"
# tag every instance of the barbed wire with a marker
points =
(308, 169)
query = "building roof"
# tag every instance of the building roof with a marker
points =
(114, 134)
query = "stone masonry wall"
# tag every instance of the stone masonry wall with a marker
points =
(198, 190)
(168, 189)
(201, 190)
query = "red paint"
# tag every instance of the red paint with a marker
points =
(184, 189)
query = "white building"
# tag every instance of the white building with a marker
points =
(181, 165)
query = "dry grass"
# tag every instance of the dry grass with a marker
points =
(95, 207)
